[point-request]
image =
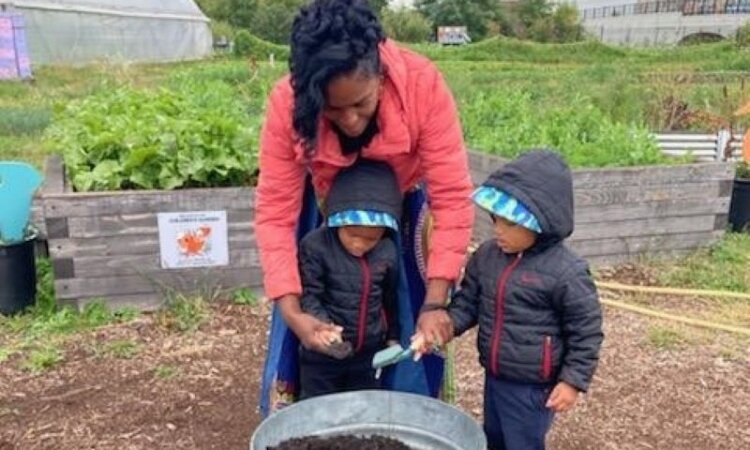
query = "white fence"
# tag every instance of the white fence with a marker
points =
(721, 146)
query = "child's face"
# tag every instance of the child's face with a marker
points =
(359, 240)
(511, 237)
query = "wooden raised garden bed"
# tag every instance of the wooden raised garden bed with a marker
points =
(105, 245)
(624, 213)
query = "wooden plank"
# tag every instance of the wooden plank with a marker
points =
(619, 195)
(141, 224)
(54, 177)
(640, 176)
(183, 281)
(129, 245)
(37, 218)
(122, 265)
(584, 232)
(141, 302)
(626, 176)
(644, 227)
(645, 244)
(700, 158)
(661, 208)
(138, 202)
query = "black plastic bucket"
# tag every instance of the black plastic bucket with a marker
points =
(739, 209)
(17, 276)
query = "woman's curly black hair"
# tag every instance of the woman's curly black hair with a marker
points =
(329, 38)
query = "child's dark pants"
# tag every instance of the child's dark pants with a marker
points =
(515, 417)
(321, 374)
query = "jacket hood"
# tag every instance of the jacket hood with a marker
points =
(365, 186)
(543, 182)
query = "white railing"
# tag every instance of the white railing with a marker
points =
(721, 146)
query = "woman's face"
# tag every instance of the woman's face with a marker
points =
(351, 101)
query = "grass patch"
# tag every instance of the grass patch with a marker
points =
(726, 266)
(664, 338)
(244, 296)
(42, 359)
(4, 354)
(25, 148)
(121, 348)
(23, 121)
(183, 313)
(165, 372)
(31, 333)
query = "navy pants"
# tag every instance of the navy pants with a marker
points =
(515, 417)
(321, 374)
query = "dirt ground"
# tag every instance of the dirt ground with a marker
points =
(199, 390)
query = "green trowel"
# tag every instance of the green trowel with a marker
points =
(389, 356)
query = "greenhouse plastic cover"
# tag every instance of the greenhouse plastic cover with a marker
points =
(84, 31)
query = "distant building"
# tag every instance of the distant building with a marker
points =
(662, 22)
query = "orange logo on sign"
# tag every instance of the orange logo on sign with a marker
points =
(193, 242)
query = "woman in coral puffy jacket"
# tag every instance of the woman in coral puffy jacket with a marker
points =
(352, 93)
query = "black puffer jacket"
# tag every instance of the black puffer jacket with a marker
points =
(358, 294)
(538, 312)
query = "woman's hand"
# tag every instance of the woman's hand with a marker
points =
(435, 328)
(313, 333)
(434, 324)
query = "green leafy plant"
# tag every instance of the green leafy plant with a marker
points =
(743, 36)
(244, 296)
(509, 121)
(406, 25)
(248, 45)
(196, 135)
(743, 170)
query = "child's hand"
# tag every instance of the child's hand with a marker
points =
(562, 398)
(318, 335)
(422, 346)
(419, 345)
(328, 336)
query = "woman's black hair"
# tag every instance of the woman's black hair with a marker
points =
(329, 38)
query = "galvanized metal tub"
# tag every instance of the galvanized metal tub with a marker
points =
(418, 421)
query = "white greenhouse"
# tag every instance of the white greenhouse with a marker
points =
(84, 31)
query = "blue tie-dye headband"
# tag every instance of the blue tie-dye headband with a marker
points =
(361, 217)
(501, 204)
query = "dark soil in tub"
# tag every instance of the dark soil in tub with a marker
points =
(345, 442)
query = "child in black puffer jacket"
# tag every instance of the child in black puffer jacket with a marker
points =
(540, 323)
(349, 270)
